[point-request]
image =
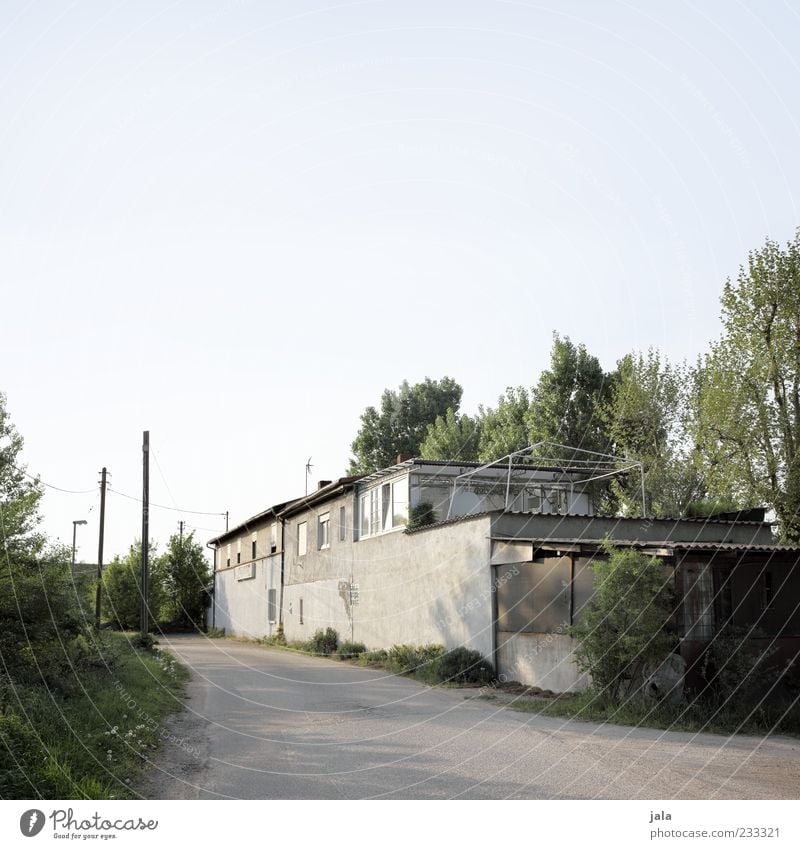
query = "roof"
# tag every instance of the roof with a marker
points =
(289, 508)
(732, 547)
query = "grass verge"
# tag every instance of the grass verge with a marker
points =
(88, 736)
(693, 717)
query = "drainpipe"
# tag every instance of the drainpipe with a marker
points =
(283, 559)
(213, 587)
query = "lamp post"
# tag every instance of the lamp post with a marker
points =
(75, 524)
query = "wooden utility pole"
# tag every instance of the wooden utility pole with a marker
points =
(144, 617)
(180, 526)
(99, 593)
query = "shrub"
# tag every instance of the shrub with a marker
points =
(421, 515)
(349, 650)
(378, 656)
(324, 642)
(405, 658)
(463, 666)
(623, 628)
(736, 668)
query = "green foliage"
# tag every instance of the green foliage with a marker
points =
(122, 587)
(452, 437)
(623, 630)
(504, 430)
(377, 657)
(401, 426)
(748, 394)
(324, 642)
(87, 742)
(186, 574)
(420, 515)
(736, 666)
(463, 666)
(348, 650)
(414, 659)
(565, 401)
(646, 414)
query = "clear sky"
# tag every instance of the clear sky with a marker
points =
(234, 223)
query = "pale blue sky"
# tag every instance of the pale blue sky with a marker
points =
(236, 223)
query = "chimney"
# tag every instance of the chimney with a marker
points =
(323, 484)
(401, 458)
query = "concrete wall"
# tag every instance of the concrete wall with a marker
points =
(240, 606)
(540, 660)
(432, 586)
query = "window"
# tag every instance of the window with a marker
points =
(272, 606)
(253, 545)
(238, 556)
(301, 611)
(302, 538)
(383, 508)
(228, 555)
(273, 538)
(228, 564)
(324, 531)
(342, 524)
(400, 503)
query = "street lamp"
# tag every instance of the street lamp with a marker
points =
(75, 524)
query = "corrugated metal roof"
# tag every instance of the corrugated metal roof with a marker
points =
(775, 548)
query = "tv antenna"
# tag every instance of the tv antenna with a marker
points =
(309, 467)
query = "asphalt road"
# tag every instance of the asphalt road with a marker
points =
(267, 724)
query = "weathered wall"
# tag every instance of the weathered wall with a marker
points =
(540, 660)
(428, 587)
(240, 606)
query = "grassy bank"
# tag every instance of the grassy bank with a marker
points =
(87, 735)
(693, 717)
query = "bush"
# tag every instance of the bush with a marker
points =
(405, 658)
(324, 642)
(623, 629)
(378, 657)
(463, 666)
(349, 650)
(421, 515)
(735, 668)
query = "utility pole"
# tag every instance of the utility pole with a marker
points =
(99, 593)
(144, 617)
(226, 521)
(180, 526)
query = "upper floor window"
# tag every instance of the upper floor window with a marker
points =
(342, 524)
(324, 531)
(253, 545)
(273, 538)
(384, 507)
(302, 538)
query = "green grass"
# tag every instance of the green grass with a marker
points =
(88, 736)
(694, 717)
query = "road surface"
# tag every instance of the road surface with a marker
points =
(263, 723)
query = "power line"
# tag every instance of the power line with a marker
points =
(164, 506)
(37, 479)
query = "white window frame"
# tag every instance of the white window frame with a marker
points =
(324, 531)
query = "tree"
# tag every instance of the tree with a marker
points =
(623, 630)
(186, 575)
(504, 430)
(452, 437)
(122, 587)
(39, 610)
(564, 406)
(645, 415)
(401, 426)
(748, 398)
